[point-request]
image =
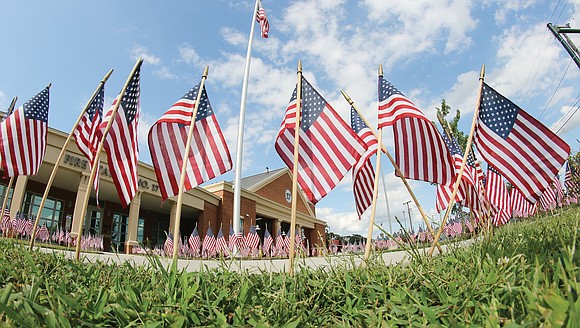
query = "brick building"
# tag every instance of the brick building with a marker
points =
(146, 220)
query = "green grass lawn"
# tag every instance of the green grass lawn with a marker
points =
(527, 274)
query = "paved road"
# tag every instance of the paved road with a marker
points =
(251, 266)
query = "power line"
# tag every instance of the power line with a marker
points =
(557, 87)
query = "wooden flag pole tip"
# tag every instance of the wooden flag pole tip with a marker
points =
(380, 69)
(205, 72)
(299, 66)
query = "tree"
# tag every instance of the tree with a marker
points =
(453, 124)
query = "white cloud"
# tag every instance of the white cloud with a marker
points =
(164, 73)
(506, 7)
(233, 37)
(142, 52)
(189, 55)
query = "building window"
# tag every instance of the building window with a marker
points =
(119, 231)
(51, 214)
(158, 233)
(3, 194)
(140, 229)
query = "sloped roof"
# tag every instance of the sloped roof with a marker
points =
(249, 182)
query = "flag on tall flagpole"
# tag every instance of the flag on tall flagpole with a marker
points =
(120, 143)
(420, 151)
(517, 145)
(328, 147)
(363, 174)
(209, 155)
(87, 131)
(23, 136)
(263, 20)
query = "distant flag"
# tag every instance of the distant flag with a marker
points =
(194, 242)
(328, 147)
(569, 180)
(420, 151)
(87, 131)
(120, 143)
(221, 244)
(252, 239)
(168, 245)
(548, 199)
(559, 190)
(209, 155)
(499, 197)
(208, 246)
(268, 242)
(520, 206)
(263, 20)
(520, 147)
(363, 174)
(23, 136)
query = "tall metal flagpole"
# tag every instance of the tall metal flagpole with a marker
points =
(387, 201)
(62, 151)
(240, 148)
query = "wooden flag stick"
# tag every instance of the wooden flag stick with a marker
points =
(98, 154)
(397, 169)
(375, 189)
(59, 158)
(295, 170)
(5, 201)
(464, 162)
(177, 221)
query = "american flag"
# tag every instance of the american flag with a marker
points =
(569, 180)
(43, 233)
(23, 136)
(194, 242)
(363, 173)
(120, 143)
(208, 156)
(263, 20)
(221, 244)
(328, 147)
(443, 193)
(87, 131)
(548, 199)
(420, 151)
(520, 206)
(498, 196)
(208, 246)
(559, 190)
(168, 245)
(252, 238)
(520, 147)
(268, 241)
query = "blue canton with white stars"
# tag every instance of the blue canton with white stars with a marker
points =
(356, 122)
(497, 112)
(312, 105)
(36, 108)
(97, 104)
(451, 145)
(386, 89)
(204, 108)
(130, 101)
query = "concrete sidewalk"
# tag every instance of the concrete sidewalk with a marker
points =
(251, 266)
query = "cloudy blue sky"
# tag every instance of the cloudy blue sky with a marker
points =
(430, 50)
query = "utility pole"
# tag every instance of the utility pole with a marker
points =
(409, 211)
(560, 34)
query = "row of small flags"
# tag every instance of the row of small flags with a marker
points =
(19, 226)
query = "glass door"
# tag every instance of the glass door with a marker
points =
(94, 221)
(119, 232)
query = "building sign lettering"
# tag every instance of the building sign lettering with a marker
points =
(83, 164)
